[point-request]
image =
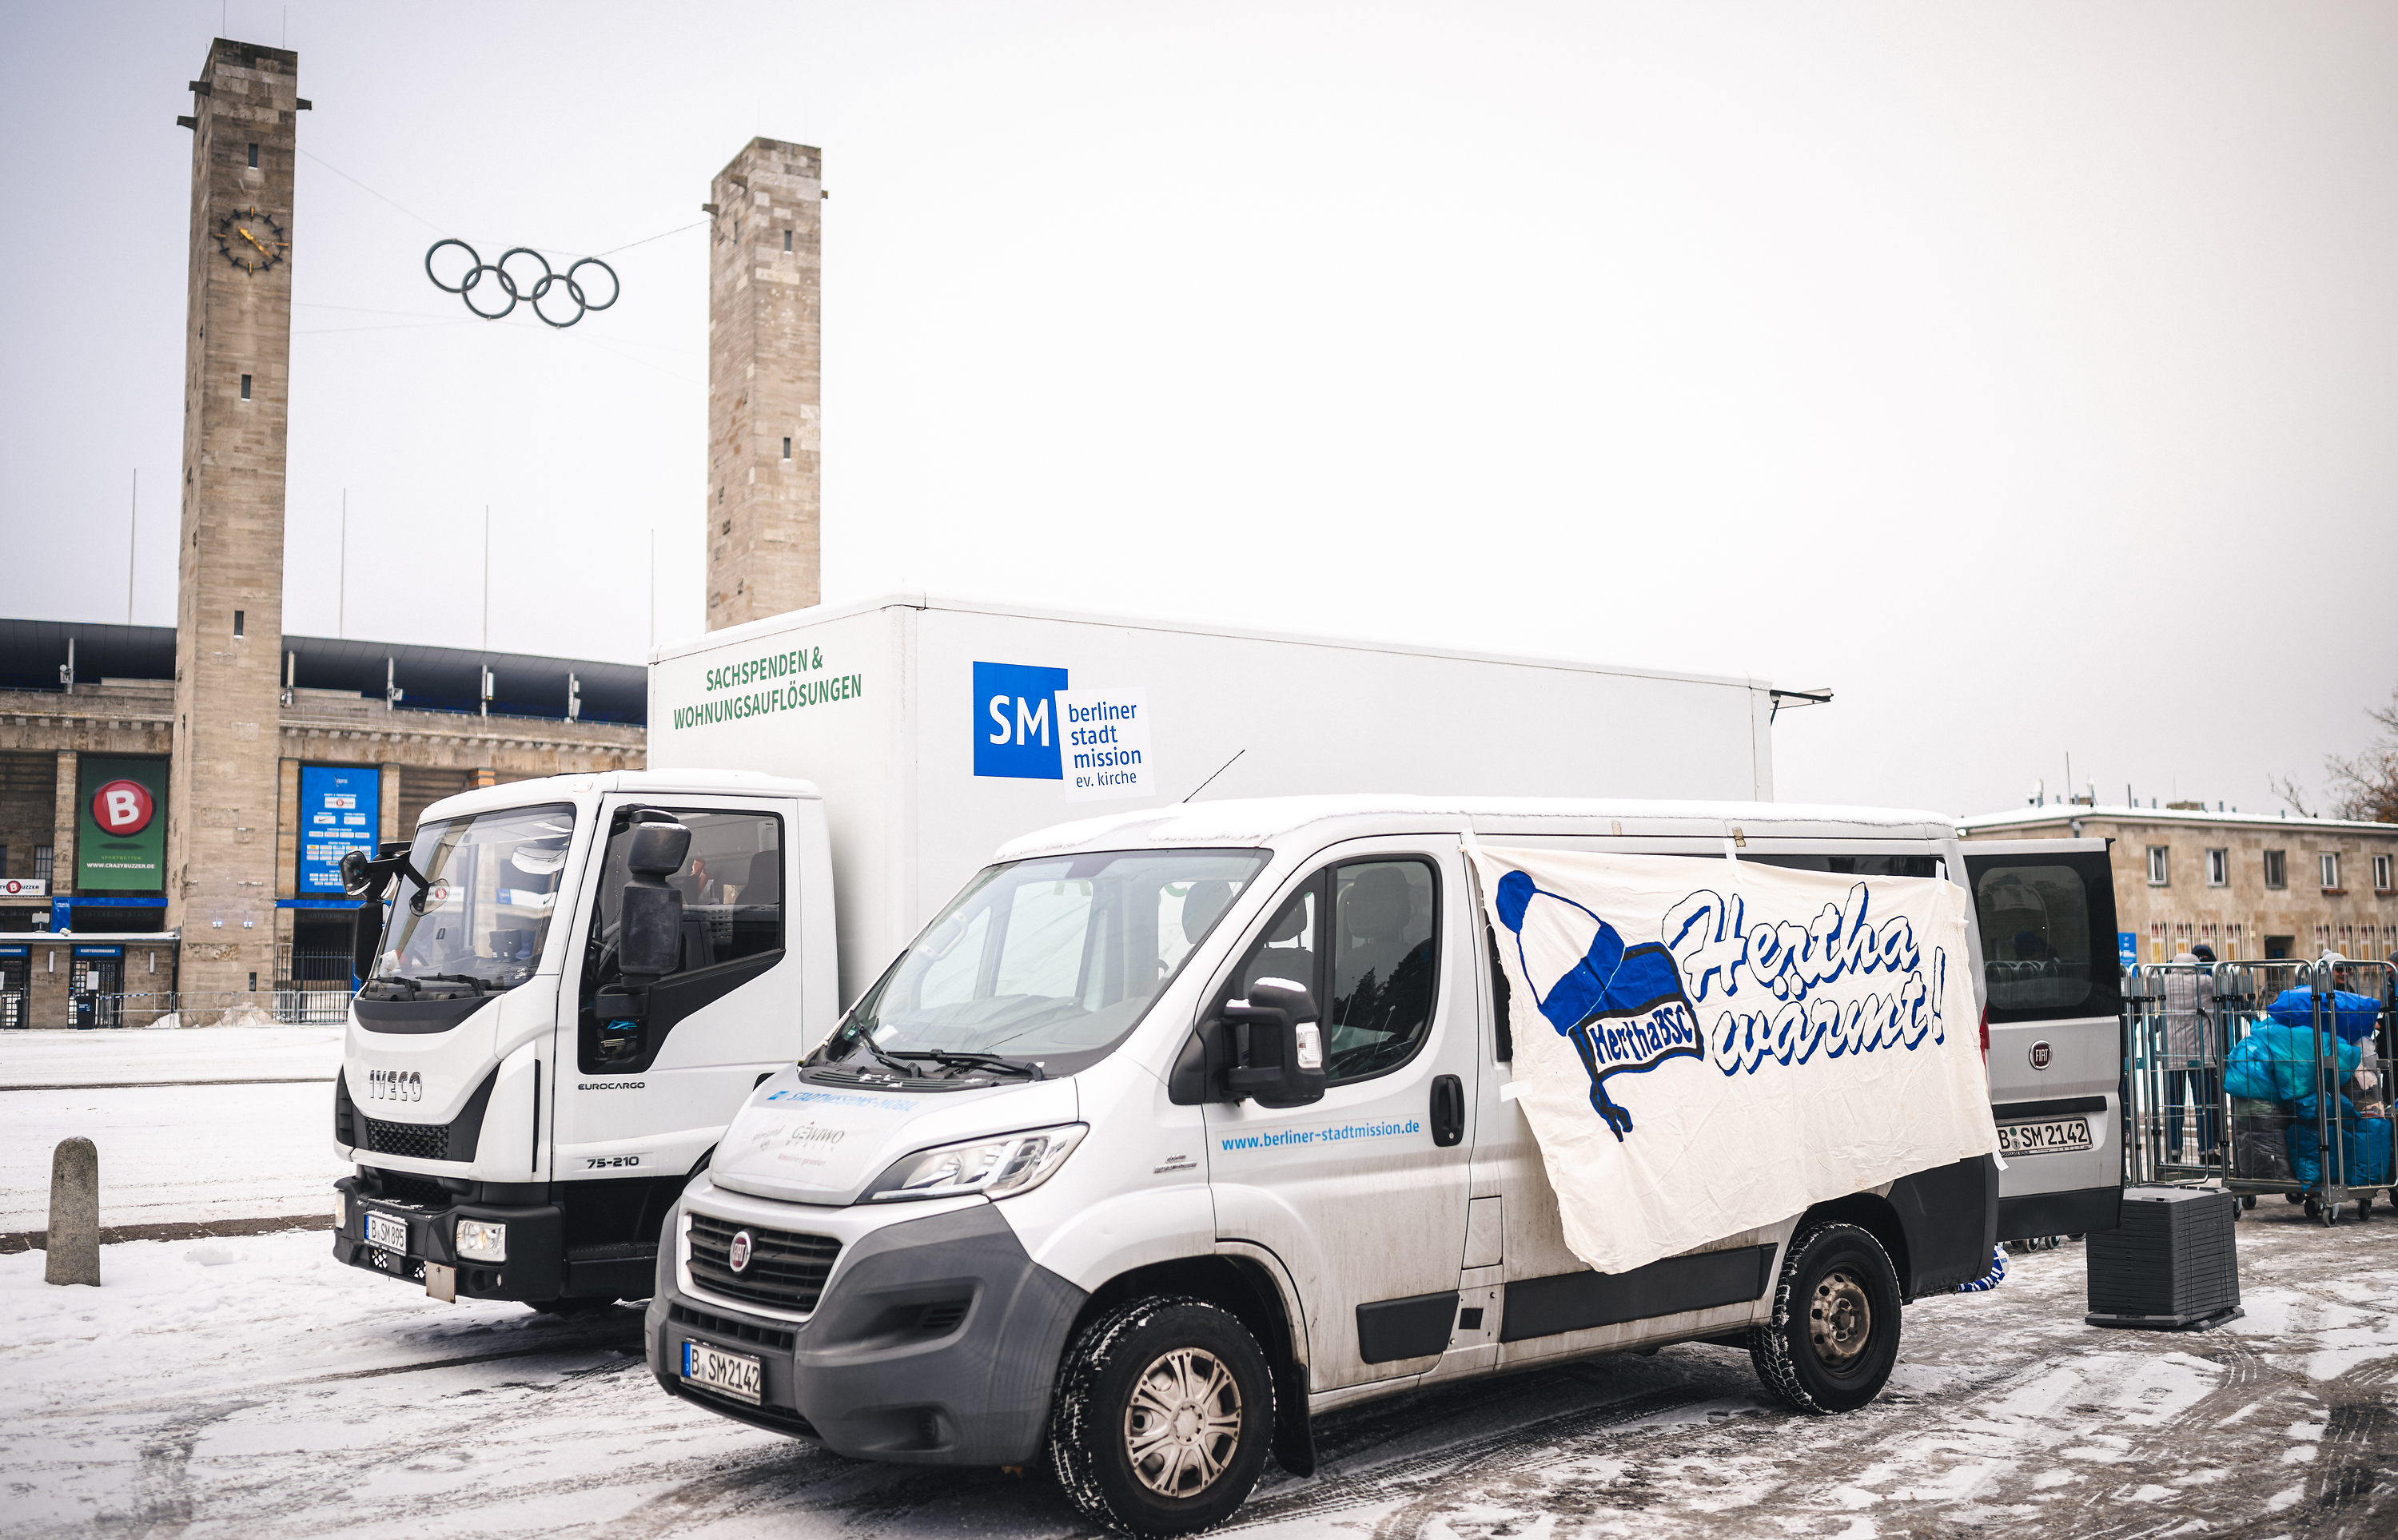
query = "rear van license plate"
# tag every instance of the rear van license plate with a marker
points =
(386, 1230)
(734, 1374)
(2055, 1136)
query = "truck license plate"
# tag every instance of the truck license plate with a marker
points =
(2055, 1136)
(734, 1374)
(387, 1230)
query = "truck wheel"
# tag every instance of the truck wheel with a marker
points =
(1834, 1336)
(1164, 1410)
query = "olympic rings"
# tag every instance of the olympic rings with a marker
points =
(532, 290)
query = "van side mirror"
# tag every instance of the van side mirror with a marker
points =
(1277, 1046)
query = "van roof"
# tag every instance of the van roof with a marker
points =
(1258, 820)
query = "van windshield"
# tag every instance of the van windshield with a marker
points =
(493, 886)
(1038, 966)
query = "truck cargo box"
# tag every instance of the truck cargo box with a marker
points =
(936, 731)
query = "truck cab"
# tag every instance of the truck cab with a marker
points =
(1178, 1128)
(521, 1113)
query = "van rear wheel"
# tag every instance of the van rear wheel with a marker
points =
(1834, 1336)
(1165, 1410)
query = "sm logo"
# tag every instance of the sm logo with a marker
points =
(1015, 721)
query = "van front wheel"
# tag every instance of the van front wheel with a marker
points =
(1164, 1413)
(1834, 1336)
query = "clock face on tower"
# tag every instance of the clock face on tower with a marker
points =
(251, 240)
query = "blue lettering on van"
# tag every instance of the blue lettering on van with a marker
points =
(1016, 728)
(1720, 947)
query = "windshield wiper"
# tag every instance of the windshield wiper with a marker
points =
(413, 985)
(981, 1060)
(480, 983)
(888, 1061)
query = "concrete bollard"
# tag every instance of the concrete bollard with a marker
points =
(74, 1241)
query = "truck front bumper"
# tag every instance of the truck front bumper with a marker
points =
(936, 1341)
(534, 1271)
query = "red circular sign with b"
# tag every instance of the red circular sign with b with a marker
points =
(122, 808)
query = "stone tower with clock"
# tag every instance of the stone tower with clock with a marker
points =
(764, 367)
(223, 779)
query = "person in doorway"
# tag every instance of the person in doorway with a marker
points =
(2193, 1058)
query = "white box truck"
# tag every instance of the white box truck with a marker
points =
(521, 1107)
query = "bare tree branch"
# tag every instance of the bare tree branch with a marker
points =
(2366, 785)
(2286, 789)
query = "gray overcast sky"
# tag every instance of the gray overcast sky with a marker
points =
(2024, 372)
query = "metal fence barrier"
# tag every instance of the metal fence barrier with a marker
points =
(184, 1008)
(2262, 1077)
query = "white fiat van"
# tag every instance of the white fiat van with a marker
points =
(1089, 1170)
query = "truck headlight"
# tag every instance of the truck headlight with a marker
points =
(340, 1210)
(483, 1241)
(996, 1168)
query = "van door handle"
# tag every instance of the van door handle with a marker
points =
(1448, 1110)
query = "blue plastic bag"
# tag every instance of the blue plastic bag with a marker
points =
(2352, 1016)
(2369, 1152)
(2276, 1060)
(2248, 1073)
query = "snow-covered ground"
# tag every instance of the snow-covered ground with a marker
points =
(173, 1146)
(251, 1387)
(152, 1056)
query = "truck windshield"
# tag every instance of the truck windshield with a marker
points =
(1045, 963)
(494, 881)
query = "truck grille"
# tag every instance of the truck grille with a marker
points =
(786, 1270)
(421, 1191)
(417, 1141)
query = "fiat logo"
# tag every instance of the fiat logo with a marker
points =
(739, 1256)
(2041, 1054)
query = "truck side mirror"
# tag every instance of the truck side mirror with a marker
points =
(1278, 1045)
(656, 849)
(354, 872)
(649, 918)
(648, 931)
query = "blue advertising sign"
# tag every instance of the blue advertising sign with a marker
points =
(341, 811)
(2127, 945)
(1015, 721)
(99, 951)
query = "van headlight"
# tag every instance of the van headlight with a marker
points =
(996, 1168)
(483, 1241)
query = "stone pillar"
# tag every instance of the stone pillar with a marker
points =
(62, 830)
(387, 824)
(73, 1241)
(287, 833)
(764, 359)
(221, 803)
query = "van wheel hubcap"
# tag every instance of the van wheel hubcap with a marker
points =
(1839, 1320)
(1184, 1421)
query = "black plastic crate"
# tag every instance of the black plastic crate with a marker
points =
(2173, 1265)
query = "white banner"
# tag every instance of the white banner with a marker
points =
(1705, 1047)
